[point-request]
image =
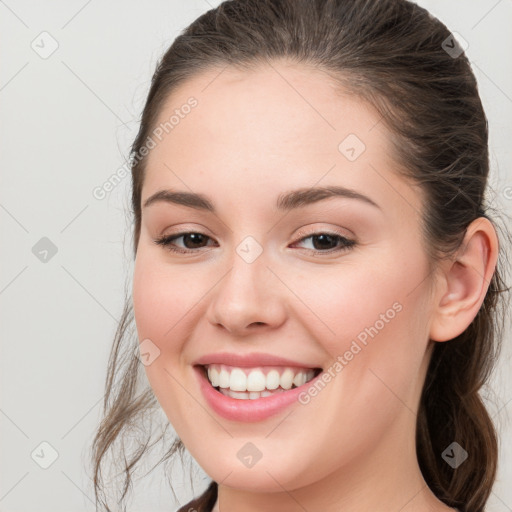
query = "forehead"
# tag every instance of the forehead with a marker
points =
(276, 125)
(274, 106)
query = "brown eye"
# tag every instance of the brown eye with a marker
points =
(328, 242)
(191, 241)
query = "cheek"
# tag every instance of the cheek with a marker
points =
(161, 302)
(358, 301)
(163, 296)
(372, 320)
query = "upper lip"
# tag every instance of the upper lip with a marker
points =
(249, 360)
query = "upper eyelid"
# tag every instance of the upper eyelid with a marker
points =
(299, 237)
(347, 233)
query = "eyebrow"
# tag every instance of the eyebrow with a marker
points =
(288, 201)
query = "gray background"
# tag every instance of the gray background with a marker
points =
(67, 121)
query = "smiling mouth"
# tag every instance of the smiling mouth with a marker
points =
(259, 382)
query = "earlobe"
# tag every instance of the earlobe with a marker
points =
(467, 277)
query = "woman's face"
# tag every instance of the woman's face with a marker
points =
(277, 285)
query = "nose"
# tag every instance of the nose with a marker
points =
(249, 298)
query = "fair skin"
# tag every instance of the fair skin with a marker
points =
(254, 136)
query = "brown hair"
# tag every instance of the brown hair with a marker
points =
(394, 54)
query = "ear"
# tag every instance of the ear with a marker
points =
(464, 281)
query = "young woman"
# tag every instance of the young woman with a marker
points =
(317, 281)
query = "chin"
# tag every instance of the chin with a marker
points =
(269, 477)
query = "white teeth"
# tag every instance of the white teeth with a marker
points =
(213, 375)
(248, 395)
(287, 379)
(238, 394)
(238, 380)
(254, 383)
(273, 379)
(299, 379)
(223, 378)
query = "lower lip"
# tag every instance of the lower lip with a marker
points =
(249, 410)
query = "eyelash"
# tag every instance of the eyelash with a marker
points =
(166, 241)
